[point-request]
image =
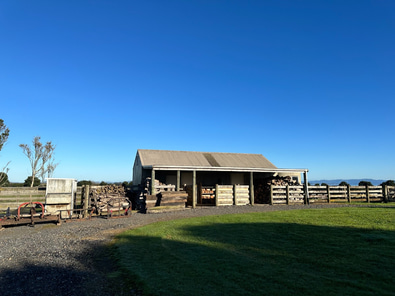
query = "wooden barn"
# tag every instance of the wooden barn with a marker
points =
(211, 178)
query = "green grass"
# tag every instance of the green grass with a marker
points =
(340, 251)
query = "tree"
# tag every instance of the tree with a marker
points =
(127, 183)
(388, 183)
(4, 133)
(343, 183)
(84, 182)
(365, 183)
(40, 157)
(29, 180)
(4, 179)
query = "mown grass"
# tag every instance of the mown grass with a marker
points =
(340, 251)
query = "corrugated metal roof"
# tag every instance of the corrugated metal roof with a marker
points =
(202, 159)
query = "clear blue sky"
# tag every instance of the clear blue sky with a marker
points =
(308, 84)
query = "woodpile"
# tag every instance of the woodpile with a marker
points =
(159, 186)
(262, 187)
(167, 199)
(109, 198)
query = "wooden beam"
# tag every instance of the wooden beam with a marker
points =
(306, 189)
(178, 180)
(153, 181)
(252, 188)
(194, 189)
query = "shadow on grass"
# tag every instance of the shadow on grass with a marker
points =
(261, 259)
(90, 273)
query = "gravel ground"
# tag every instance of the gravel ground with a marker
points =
(73, 258)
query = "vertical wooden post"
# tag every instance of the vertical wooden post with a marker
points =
(252, 197)
(271, 194)
(153, 182)
(194, 189)
(349, 193)
(86, 200)
(385, 193)
(178, 180)
(216, 195)
(287, 193)
(367, 194)
(235, 194)
(329, 193)
(306, 189)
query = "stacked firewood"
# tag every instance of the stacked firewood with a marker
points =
(262, 187)
(109, 198)
(167, 198)
(159, 186)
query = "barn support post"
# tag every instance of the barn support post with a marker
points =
(367, 193)
(153, 182)
(252, 188)
(385, 193)
(193, 189)
(178, 180)
(271, 194)
(306, 189)
(235, 194)
(86, 200)
(216, 195)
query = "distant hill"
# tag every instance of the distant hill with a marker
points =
(352, 182)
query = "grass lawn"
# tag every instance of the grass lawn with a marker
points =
(339, 251)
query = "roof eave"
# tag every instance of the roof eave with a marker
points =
(222, 169)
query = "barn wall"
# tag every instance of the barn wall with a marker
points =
(294, 176)
(186, 178)
(137, 171)
(237, 178)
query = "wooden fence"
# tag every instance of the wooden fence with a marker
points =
(12, 197)
(327, 194)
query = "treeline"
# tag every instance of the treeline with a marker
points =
(361, 183)
(102, 183)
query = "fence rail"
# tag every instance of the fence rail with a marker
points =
(327, 194)
(12, 197)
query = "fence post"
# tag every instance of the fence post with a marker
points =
(86, 200)
(349, 193)
(329, 193)
(287, 193)
(216, 195)
(252, 188)
(367, 194)
(194, 189)
(271, 194)
(235, 194)
(385, 193)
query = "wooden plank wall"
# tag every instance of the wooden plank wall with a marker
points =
(326, 194)
(286, 195)
(224, 195)
(12, 197)
(241, 195)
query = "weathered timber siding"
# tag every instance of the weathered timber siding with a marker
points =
(12, 197)
(326, 194)
(241, 195)
(225, 195)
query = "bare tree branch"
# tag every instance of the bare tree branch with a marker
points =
(39, 157)
(4, 133)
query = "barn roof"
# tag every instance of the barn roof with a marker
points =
(157, 158)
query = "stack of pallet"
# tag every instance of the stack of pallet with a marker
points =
(167, 199)
(262, 187)
(159, 186)
(109, 198)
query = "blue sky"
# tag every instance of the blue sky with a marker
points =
(308, 84)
